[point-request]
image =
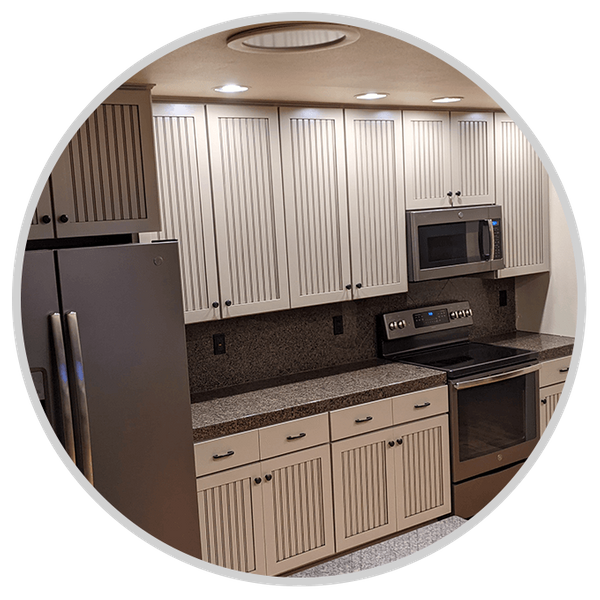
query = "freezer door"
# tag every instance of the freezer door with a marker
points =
(128, 307)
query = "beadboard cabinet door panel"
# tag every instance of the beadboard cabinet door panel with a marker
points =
(376, 202)
(522, 191)
(245, 165)
(186, 204)
(105, 180)
(42, 223)
(314, 179)
(549, 397)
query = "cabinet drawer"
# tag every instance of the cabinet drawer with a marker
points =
(355, 420)
(226, 452)
(554, 371)
(293, 435)
(418, 405)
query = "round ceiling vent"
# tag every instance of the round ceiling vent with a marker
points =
(297, 37)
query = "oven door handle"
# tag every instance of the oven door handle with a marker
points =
(468, 383)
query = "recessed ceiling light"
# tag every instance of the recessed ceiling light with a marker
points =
(231, 88)
(371, 96)
(296, 37)
(447, 99)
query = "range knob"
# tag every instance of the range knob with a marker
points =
(453, 315)
(402, 324)
(461, 314)
(392, 325)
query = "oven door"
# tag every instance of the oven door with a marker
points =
(494, 420)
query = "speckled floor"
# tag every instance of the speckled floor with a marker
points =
(385, 552)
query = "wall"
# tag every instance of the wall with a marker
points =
(268, 345)
(547, 302)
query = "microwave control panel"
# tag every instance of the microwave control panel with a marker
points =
(497, 227)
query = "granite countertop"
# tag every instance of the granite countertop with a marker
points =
(240, 408)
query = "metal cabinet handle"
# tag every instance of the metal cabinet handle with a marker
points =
(363, 420)
(565, 370)
(82, 417)
(217, 456)
(63, 385)
(296, 437)
(423, 405)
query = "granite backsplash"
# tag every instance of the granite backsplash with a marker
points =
(279, 343)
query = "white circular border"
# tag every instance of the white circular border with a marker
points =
(251, 20)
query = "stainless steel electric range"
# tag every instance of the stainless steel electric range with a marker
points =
(493, 395)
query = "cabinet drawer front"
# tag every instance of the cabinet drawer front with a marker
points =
(421, 404)
(355, 420)
(226, 452)
(293, 435)
(554, 371)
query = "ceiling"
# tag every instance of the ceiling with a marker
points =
(375, 62)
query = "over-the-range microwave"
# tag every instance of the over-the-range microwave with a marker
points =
(449, 242)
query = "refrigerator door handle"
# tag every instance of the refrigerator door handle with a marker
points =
(81, 412)
(63, 385)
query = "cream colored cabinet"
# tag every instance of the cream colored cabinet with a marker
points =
(186, 204)
(245, 162)
(42, 226)
(449, 159)
(314, 178)
(522, 191)
(553, 374)
(105, 180)
(393, 478)
(272, 515)
(376, 202)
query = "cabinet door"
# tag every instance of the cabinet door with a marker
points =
(105, 180)
(376, 202)
(298, 509)
(422, 465)
(248, 206)
(472, 148)
(363, 488)
(42, 224)
(186, 204)
(522, 191)
(231, 525)
(549, 397)
(427, 159)
(314, 179)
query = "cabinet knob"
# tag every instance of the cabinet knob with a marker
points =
(458, 193)
(449, 194)
(359, 285)
(64, 218)
(391, 443)
(268, 477)
(257, 480)
(399, 442)
(215, 305)
(349, 286)
(227, 302)
(46, 219)
(544, 400)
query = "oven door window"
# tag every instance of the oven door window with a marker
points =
(442, 245)
(496, 416)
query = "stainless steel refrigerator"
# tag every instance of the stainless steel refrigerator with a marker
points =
(105, 340)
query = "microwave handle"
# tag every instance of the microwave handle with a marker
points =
(486, 239)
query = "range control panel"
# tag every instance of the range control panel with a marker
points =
(423, 320)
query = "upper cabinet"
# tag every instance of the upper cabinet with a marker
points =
(316, 207)
(522, 191)
(449, 159)
(105, 180)
(376, 202)
(245, 161)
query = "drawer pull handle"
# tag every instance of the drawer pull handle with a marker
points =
(563, 370)
(425, 404)
(217, 456)
(296, 437)
(363, 420)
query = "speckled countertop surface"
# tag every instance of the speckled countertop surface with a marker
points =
(232, 410)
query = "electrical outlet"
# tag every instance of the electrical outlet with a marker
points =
(338, 325)
(219, 343)
(503, 298)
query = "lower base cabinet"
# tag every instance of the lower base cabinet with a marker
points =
(389, 480)
(270, 516)
(553, 374)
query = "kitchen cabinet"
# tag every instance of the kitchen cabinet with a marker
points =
(522, 191)
(449, 159)
(186, 204)
(105, 180)
(376, 202)
(245, 163)
(274, 514)
(316, 206)
(393, 478)
(553, 374)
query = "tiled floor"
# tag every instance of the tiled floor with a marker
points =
(385, 552)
